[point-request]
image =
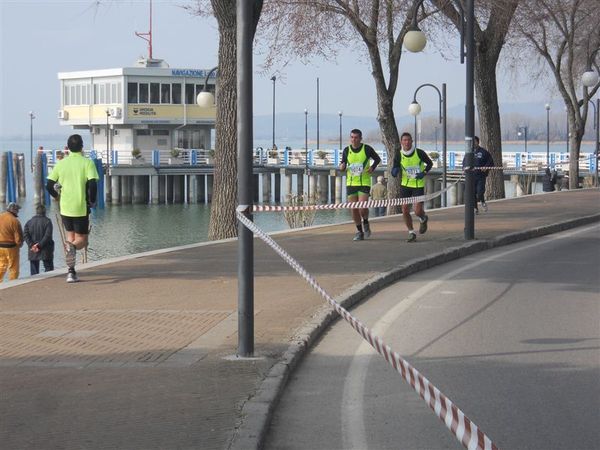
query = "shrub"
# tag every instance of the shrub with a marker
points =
(175, 152)
(136, 153)
(434, 156)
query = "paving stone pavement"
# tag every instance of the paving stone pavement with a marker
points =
(140, 354)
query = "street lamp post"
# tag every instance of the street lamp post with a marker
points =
(306, 170)
(318, 114)
(273, 78)
(596, 154)
(340, 114)
(31, 117)
(244, 14)
(415, 109)
(522, 131)
(107, 141)
(547, 135)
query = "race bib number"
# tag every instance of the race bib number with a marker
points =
(412, 171)
(356, 169)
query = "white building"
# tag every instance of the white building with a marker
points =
(148, 107)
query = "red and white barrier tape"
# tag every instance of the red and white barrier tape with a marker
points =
(468, 434)
(354, 205)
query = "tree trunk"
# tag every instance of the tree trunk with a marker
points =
(574, 150)
(391, 141)
(223, 222)
(489, 119)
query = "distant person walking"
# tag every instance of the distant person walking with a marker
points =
(481, 158)
(76, 177)
(379, 192)
(356, 162)
(412, 164)
(38, 235)
(549, 181)
(11, 240)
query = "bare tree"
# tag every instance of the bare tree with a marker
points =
(565, 34)
(303, 28)
(492, 23)
(222, 214)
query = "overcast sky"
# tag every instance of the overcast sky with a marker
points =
(38, 39)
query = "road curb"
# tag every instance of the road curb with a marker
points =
(256, 413)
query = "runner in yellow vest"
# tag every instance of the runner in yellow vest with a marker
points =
(356, 162)
(412, 164)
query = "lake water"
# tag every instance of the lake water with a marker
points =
(125, 230)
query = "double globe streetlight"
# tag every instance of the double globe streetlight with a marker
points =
(415, 109)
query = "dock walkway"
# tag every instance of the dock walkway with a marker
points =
(140, 353)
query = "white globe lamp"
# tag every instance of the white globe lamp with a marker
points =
(205, 99)
(415, 41)
(414, 109)
(589, 78)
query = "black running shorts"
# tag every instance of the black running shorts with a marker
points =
(79, 225)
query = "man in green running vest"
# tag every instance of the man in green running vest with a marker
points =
(412, 164)
(356, 162)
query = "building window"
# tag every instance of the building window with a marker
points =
(113, 93)
(66, 95)
(189, 94)
(132, 92)
(165, 93)
(154, 92)
(144, 93)
(176, 92)
(160, 132)
(102, 99)
(119, 93)
(142, 132)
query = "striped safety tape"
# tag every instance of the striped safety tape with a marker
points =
(354, 205)
(467, 433)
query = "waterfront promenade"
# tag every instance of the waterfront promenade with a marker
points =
(139, 355)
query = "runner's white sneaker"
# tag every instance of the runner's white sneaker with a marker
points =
(72, 277)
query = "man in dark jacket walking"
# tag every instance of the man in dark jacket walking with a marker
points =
(38, 235)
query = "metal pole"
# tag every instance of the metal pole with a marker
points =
(567, 130)
(597, 110)
(415, 137)
(31, 117)
(245, 188)
(273, 78)
(469, 123)
(306, 155)
(444, 144)
(547, 137)
(340, 113)
(526, 142)
(107, 138)
(318, 147)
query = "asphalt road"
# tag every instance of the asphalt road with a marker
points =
(511, 336)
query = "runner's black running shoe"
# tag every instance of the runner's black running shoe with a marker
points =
(423, 226)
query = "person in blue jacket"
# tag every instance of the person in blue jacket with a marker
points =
(481, 158)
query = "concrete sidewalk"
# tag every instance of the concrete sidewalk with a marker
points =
(140, 354)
